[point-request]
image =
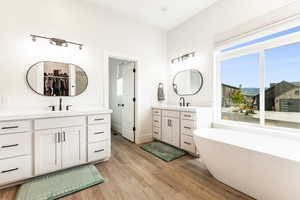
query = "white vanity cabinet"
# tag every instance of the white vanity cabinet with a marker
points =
(178, 125)
(52, 142)
(59, 143)
(170, 128)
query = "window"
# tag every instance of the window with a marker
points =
(240, 86)
(120, 87)
(259, 81)
(282, 82)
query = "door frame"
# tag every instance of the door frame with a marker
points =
(107, 56)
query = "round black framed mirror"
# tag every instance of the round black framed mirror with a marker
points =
(188, 82)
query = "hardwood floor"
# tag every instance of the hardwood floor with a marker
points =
(132, 174)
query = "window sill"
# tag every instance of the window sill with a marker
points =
(285, 133)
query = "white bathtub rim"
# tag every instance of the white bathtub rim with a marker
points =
(289, 150)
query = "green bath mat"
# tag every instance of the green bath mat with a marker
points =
(163, 151)
(59, 184)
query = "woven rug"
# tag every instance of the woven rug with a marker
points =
(60, 184)
(163, 151)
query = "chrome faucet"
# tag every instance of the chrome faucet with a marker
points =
(182, 101)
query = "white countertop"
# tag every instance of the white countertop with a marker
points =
(7, 115)
(179, 108)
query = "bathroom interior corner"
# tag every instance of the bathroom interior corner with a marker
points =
(131, 100)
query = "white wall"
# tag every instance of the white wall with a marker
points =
(99, 29)
(198, 34)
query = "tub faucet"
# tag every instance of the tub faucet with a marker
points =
(182, 101)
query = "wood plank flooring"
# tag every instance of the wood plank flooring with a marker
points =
(133, 174)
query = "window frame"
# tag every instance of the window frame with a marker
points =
(259, 48)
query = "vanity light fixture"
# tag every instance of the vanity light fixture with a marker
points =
(56, 41)
(183, 57)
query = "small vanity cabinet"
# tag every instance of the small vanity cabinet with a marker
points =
(50, 142)
(178, 125)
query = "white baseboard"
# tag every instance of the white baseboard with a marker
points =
(144, 138)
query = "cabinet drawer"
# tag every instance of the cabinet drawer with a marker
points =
(14, 169)
(188, 144)
(188, 127)
(98, 119)
(16, 144)
(156, 112)
(52, 123)
(188, 116)
(15, 127)
(168, 113)
(157, 133)
(98, 151)
(97, 133)
(156, 121)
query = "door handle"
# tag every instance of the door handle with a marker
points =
(10, 170)
(64, 136)
(97, 133)
(9, 127)
(57, 137)
(8, 146)
(170, 123)
(188, 143)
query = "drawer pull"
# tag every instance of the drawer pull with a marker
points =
(100, 119)
(187, 115)
(10, 170)
(156, 121)
(9, 127)
(156, 133)
(186, 127)
(98, 133)
(187, 143)
(97, 151)
(9, 146)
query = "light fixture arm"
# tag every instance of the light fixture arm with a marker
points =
(56, 41)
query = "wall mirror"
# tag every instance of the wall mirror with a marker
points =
(188, 82)
(56, 79)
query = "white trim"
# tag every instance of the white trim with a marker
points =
(262, 65)
(275, 27)
(255, 48)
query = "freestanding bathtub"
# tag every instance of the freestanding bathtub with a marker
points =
(263, 166)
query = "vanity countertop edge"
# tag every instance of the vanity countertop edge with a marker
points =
(15, 115)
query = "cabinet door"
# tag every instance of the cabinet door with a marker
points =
(166, 134)
(73, 146)
(47, 151)
(175, 133)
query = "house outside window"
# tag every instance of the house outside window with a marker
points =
(259, 82)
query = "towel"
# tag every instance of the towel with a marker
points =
(160, 92)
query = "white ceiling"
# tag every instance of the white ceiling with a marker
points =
(165, 14)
